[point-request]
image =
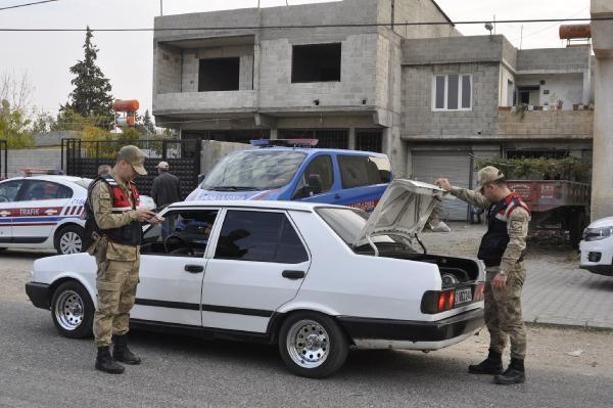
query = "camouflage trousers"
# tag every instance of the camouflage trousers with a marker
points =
(503, 315)
(116, 283)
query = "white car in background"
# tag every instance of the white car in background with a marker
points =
(313, 278)
(44, 212)
(597, 247)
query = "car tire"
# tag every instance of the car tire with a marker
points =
(72, 310)
(312, 344)
(69, 240)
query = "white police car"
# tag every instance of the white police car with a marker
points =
(313, 278)
(597, 247)
(44, 212)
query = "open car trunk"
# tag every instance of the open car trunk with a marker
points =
(393, 230)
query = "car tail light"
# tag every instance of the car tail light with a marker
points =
(437, 301)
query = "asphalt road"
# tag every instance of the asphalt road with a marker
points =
(38, 368)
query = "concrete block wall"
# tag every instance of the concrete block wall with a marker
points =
(167, 69)
(213, 151)
(452, 50)
(358, 67)
(407, 11)
(545, 125)
(554, 59)
(420, 120)
(44, 158)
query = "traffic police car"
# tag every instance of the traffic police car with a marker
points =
(44, 212)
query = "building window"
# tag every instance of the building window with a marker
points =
(452, 92)
(316, 63)
(219, 74)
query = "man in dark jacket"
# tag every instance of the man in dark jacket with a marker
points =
(166, 188)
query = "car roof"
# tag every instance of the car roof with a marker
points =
(263, 204)
(55, 178)
(313, 150)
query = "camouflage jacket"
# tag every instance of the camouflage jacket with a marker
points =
(517, 227)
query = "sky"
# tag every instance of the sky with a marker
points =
(127, 58)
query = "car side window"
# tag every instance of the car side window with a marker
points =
(9, 190)
(259, 237)
(35, 190)
(183, 233)
(317, 178)
(357, 171)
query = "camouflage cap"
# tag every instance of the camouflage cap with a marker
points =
(135, 157)
(488, 175)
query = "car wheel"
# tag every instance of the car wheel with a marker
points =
(69, 240)
(312, 344)
(72, 310)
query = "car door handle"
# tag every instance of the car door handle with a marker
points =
(337, 196)
(293, 274)
(194, 268)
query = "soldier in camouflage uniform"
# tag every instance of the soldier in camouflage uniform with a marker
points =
(113, 223)
(502, 250)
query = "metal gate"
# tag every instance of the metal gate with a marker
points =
(82, 158)
(3, 159)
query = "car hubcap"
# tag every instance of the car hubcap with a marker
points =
(69, 310)
(308, 344)
(70, 243)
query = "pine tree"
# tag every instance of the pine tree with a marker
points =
(91, 96)
(148, 124)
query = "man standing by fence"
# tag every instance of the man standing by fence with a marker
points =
(166, 188)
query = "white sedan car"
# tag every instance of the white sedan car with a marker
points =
(316, 279)
(597, 247)
(44, 212)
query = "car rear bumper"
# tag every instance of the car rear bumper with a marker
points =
(39, 294)
(606, 270)
(435, 334)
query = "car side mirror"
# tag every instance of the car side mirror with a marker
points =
(201, 178)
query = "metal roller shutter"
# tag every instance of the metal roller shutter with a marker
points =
(454, 165)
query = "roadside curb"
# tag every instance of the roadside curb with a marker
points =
(585, 327)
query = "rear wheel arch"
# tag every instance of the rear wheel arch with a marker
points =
(277, 320)
(68, 227)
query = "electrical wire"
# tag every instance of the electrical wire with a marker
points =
(306, 26)
(27, 4)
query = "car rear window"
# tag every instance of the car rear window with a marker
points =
(357, 171)
(346, 222)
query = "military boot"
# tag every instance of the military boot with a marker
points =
(122, 353)
(515, 374)
(104, 362)
(491, 365)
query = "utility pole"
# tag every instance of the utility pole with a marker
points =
(161, 7)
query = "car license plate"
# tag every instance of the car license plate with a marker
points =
(463, 296)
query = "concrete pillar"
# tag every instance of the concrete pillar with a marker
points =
(602, 181)
(352, 139)
(274, 133)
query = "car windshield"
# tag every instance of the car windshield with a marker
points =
(254, 170)
(348, 223)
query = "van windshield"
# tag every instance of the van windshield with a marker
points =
(254, 170)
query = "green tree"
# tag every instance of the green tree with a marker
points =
(14, 126)
(91, 97)
(148, 124)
